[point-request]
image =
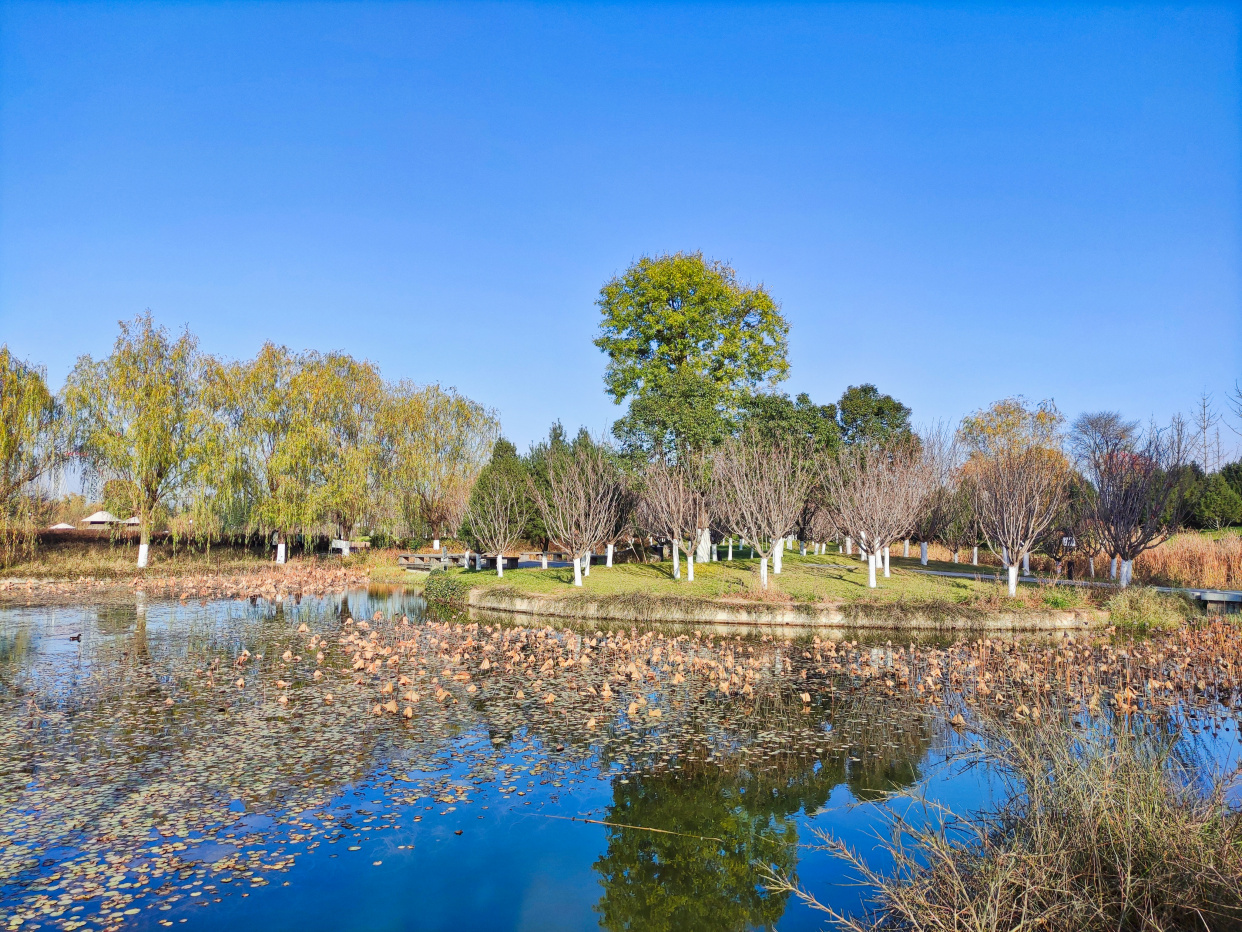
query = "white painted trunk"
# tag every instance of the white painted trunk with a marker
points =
(345, 548)
(608, 560)
(280, 553)
(730, 548)
(777, 552)
(849, 546)
(887, 574)
(1026, 564)
(763, 573)
(905, 548)
(144, 551)
(1091, 566)
(577, 571)
(676, 560)
(703, 544)
(871, 571)
(923, 552)
(1013, 580)
(954, 556)
(974, 556)
(802, 548)
(586, 564)
(435, 544)
(478, 561)
(1112, 569)
(1005, 556)
(1127, 572)
(500, 565)
(690, 566)
(543, 560)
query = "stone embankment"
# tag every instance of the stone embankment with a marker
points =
(641, 608)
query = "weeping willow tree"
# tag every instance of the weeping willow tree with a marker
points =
(139, 418)
(435, 443)
(30, 447)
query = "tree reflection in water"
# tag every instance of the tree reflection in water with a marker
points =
(728, 815)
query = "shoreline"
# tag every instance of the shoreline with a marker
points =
(655, 610)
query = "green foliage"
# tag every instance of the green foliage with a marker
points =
(1217, 504)
(870, 418)
(504, 471)
(774, 417)
(1232, 473)
(29, 427)
(138, 415)
(1143, 609)
(446, 588)
(685, 340)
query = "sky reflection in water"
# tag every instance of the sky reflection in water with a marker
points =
(228, 809)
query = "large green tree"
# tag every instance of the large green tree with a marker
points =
(872, 418)
(685, 341)
(799, 422)
(139, 416)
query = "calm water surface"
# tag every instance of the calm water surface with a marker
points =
(154, 778)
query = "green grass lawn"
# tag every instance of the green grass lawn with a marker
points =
(829, 579)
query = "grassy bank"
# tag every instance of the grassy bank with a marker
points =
(831, 580)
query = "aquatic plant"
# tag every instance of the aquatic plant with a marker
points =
(1097, 829)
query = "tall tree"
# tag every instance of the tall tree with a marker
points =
(30, 420)
(500, 504)
(138, 415)
(1018, 473)
(436, 442)
(683, 334)
(776, 418)
(871, 418)
(1134, 474)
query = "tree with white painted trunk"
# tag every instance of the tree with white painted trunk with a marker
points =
(672, 505)
(1135, 501)
(578, 497)
(875, 494)
(1018, 475)
(759, 488)
(498, 512)
(138, 417)
(940, 459)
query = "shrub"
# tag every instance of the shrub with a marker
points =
(1145, 609)
(446, 588)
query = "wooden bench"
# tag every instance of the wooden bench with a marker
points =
(432, 561)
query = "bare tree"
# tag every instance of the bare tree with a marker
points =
(1206, 419)
(940, 461)
(1019, 491)
(1134, 474)
(583, 495)
(759, 489)
(497, 516)
(673, 506)
(875, 494)
(961, 528)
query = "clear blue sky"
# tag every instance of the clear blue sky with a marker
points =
(956, 203)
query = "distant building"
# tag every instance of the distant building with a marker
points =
(100, 519)
(62, 527)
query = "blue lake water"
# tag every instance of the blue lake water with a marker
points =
(202, 766)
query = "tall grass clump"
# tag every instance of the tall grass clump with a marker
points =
(1194, 560)
(1142, 609)
(1096, 831)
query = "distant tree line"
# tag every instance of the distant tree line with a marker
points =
(287, 445)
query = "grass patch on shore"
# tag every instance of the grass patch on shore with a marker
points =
(805, 582)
